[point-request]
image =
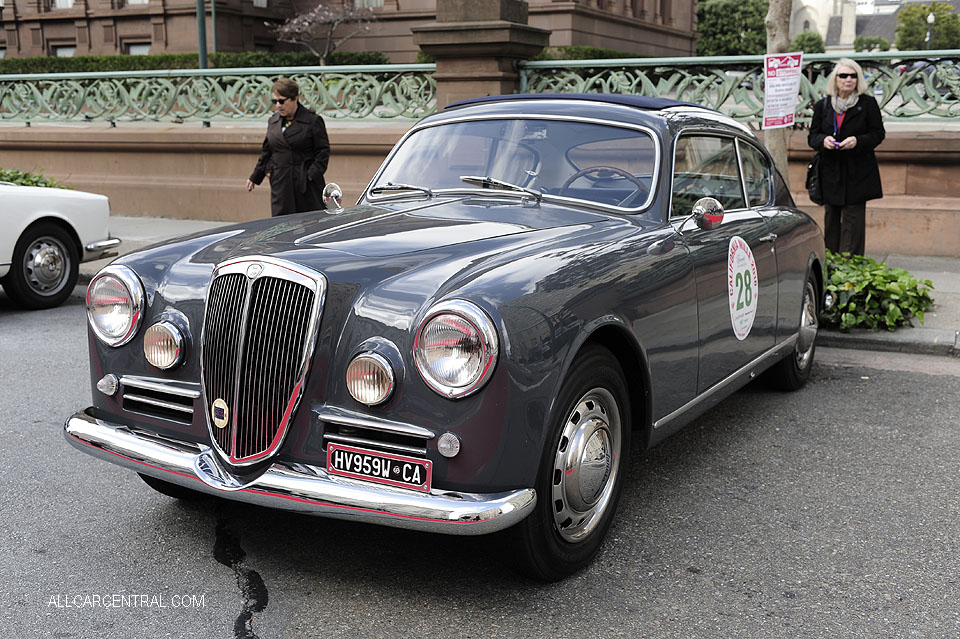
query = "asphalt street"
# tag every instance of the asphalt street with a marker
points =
(829, 512)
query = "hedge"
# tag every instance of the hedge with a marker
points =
(245, 59)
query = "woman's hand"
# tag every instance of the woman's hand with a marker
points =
(829, 143)
(250, 185)
(848, 143)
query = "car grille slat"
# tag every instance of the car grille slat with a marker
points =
(261, 357)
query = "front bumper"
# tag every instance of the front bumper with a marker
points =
(300, 488)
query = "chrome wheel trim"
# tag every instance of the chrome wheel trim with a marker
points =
(809, 324)
(585, 465)
(46, 266)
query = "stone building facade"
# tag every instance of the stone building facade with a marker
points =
(107, 27)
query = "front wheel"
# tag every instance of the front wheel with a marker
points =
(45, 267)
(581, 472)
(793, 371)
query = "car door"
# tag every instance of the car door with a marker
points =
(734, 261)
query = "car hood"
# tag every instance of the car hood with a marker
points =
(406, 227)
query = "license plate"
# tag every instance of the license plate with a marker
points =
(382, 468)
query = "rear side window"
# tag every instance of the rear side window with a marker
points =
(705, 166)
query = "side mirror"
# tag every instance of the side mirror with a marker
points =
(707, 213)
(332, 194)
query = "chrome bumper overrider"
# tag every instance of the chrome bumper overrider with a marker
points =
(297, 487)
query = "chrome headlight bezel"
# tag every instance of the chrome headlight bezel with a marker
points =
(484, 327)
(131, 283)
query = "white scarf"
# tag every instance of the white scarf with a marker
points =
(840, 105)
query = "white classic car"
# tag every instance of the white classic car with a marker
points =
(47, 232)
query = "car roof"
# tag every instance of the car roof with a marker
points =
(636, 101)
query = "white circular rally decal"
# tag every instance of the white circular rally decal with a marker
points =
(742, 285)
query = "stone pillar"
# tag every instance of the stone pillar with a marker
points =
(477, 44)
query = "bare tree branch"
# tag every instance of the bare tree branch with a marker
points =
(320, 29)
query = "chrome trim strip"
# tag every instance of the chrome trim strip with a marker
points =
(350, 418)
(720, 386)
(103, 245)
(158, 402)
(158, 385)
(306, 489)
(373, 443)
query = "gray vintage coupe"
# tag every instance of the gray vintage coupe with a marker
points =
(527, 285)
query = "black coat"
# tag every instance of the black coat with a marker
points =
(849, 177)
(296, 160)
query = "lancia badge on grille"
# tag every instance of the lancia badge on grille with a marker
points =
(220, 413)
(254, 270)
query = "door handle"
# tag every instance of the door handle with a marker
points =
(769, 237)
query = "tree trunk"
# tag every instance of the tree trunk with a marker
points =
(778, 41)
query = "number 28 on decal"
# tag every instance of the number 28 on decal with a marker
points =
(742, 285)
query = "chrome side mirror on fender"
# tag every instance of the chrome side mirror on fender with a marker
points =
(333, 194)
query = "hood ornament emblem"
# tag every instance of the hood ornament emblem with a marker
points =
(220, 413)
(254, 271)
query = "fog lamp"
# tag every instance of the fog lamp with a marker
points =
(163, 345)
(370, 379)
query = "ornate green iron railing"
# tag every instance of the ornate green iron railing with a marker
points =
(912, 85)
(908, 85)
(375, 91)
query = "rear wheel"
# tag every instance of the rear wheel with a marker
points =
(793, 371)
(581, 472)
(45, 267)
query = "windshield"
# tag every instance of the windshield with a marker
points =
(596, 163)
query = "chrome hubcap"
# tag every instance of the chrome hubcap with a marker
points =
(809, 323)
(45, 266)
(586, 465)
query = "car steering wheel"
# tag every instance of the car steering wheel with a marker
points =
(600, 167)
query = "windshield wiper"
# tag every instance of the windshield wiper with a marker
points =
(488, 182)
(392, 186)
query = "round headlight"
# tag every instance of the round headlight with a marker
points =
(163, 345)
(115, 305)
(456, 348)
(370, 379)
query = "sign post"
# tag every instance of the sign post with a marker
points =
(782, 85)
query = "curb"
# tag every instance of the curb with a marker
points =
(921, 341)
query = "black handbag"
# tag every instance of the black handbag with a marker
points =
(814, 185)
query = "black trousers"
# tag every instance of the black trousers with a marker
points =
(845, 228)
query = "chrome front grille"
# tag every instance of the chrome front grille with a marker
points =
(258, 335)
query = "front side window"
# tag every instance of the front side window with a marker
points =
(705, 166)
(757, 175)
(596, 163)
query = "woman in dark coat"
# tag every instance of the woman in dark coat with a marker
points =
(294, 154)
(846, 127)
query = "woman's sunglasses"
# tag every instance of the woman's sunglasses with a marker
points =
(846, 76)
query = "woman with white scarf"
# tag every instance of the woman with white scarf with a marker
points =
(846, 127)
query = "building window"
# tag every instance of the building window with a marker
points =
(64, 51)
(368, 3)
(129, 2)
(138, 48)
(3, 53)
(62, 4)
(806, 25)
(260, 4)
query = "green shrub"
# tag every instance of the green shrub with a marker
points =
(809, 42)
(16, 176)
(869, 43)
(582, 53)
(870, 294)
(235, 60)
